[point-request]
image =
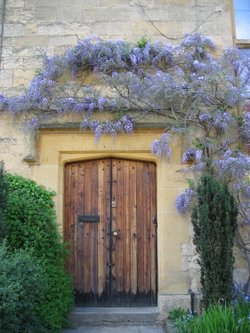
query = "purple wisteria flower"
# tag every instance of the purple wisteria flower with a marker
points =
(237, 166)
(198, 41)
(125, 124)
(32, 123)
(3, 103)
(246, 190)
(205, 117)
(184, 201)
(244, 128)
(192, 155)
(161, 147)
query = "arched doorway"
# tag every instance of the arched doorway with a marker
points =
(110, 225)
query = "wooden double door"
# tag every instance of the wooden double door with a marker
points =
(110, 226)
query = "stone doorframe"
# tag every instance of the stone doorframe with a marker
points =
(55, 148)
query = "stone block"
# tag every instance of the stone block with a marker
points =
(86, 3)
(114, 3)
(143, 28)
(46, 14)
(38, 3)
(110, 14)
(33, 62)
(62, 40)
(187, 249)
(98, 28)
(17, 15)
(168, 246)
(174, 282)
(118, 28)
(160, 14)
(30, 29)
(168, 197)
(241, 276)
(8, 52)
(15, 29)
(167, 302)
(6, 77)
(23, 77)
(12, 62)
(79, 29)
(190, 263)
(69, 14)
(178, 13)
(48, 3)
(162, 3)
(188, 27)
(172, 29)
(26, 41)
(51, 29)
(173, 227)
(7, 143)
(16, 3)
(143, 3)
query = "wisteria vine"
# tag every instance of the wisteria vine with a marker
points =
(194, 92)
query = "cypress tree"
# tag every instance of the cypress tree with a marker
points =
(3, 197)
(214, 219)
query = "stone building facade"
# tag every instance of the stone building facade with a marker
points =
(31, 28)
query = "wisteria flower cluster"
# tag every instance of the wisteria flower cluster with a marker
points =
(192, 155)
(161, 147)
(184, 200)
(152, 78)
(244, 128)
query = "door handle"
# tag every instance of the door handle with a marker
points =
(115, 233)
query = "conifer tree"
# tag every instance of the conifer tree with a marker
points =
(3, 197)
(214, 219)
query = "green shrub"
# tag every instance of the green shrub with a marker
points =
(30, 219)
(30, 224)
(216, 319)
(21, 283)
(215, 221)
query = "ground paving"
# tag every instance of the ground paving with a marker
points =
(116, 329)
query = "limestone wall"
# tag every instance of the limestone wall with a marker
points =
(35, 27)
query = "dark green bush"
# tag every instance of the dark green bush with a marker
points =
(215, 221)
(30, 224)
(21, 283)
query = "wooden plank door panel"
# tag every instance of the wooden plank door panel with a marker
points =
(113, 261)
(87, 193)
(134, 254)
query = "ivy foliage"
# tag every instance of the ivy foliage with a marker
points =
(214, 218)
(30, 225)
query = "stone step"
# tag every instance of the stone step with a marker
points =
(115, 316)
